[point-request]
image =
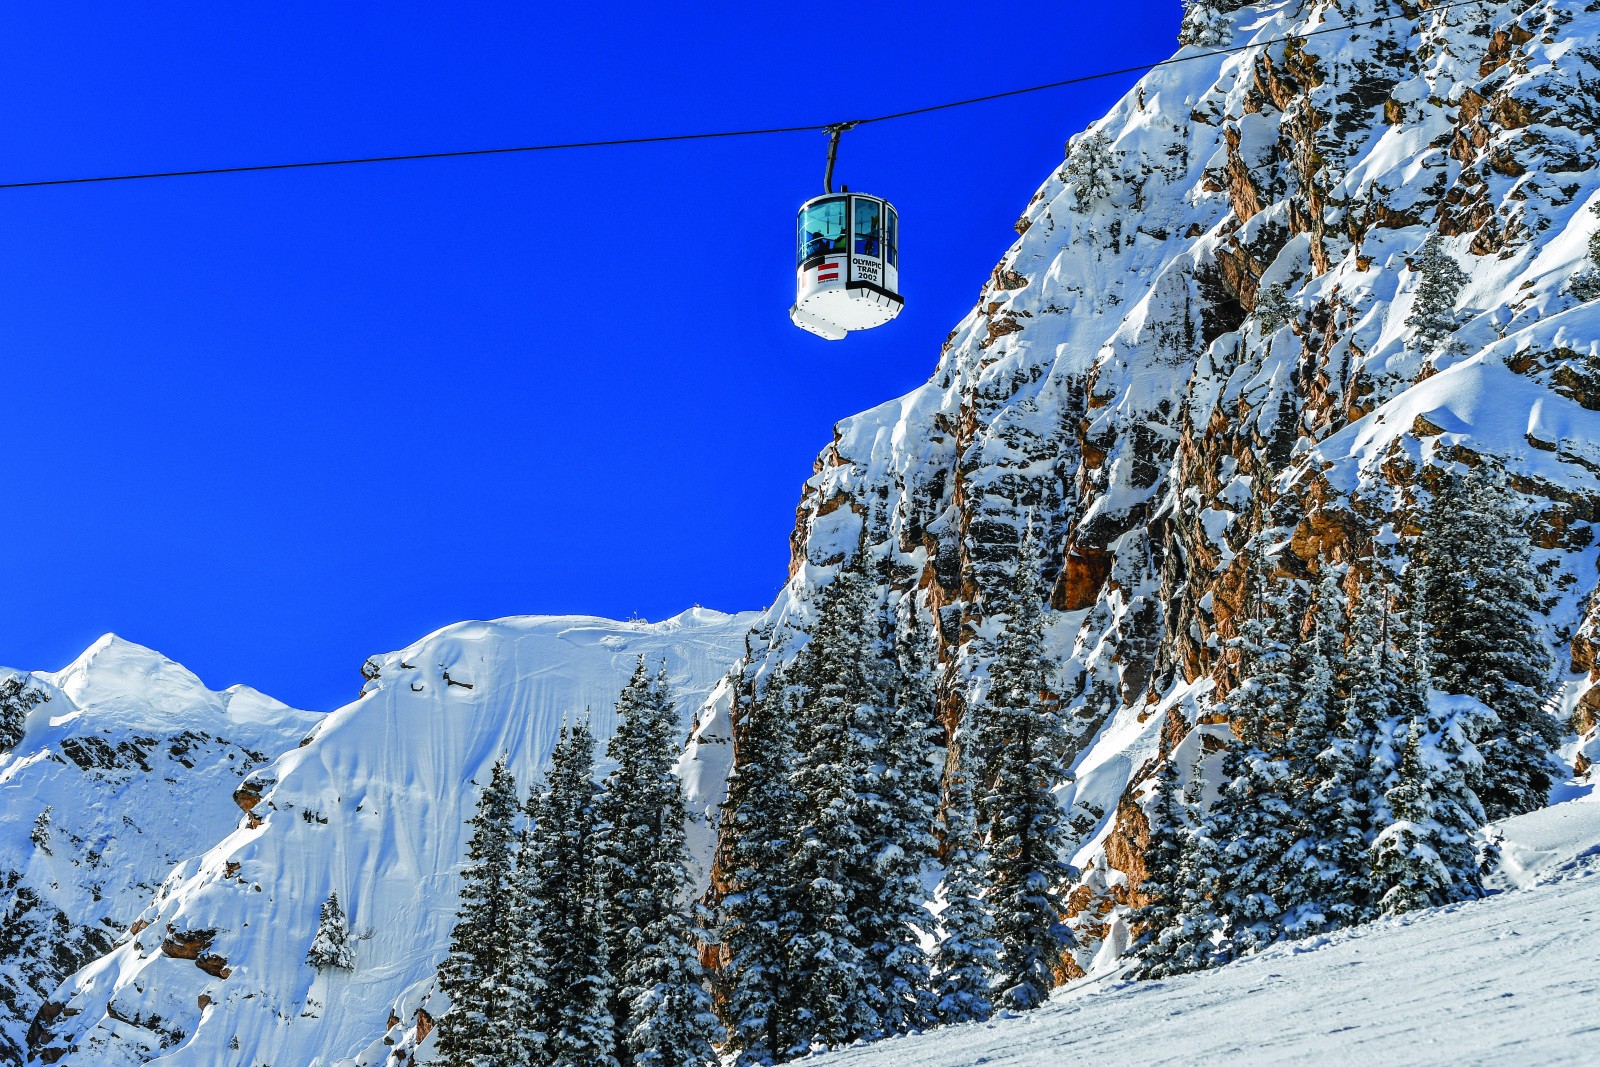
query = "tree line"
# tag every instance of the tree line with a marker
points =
(1351, 784)
(575, 944)
(577, 941)
(1354, 785)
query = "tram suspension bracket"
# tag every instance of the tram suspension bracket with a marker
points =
(833, 151)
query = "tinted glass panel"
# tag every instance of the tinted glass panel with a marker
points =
(891, 236)
(868, 227)
(822, 228)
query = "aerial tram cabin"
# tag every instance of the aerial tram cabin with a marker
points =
(847, 265)
(847, 259)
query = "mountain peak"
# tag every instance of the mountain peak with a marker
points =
(114, 668)
(118, 679)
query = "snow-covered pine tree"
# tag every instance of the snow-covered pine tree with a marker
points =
(1433, 313)
(1325, 876)
(661, 1008)
(40, 834)
(1585, 284)
(1256, 819)
(968, 957)
(902, 794)
(517, 1036)
(1024, 738)
(1406, 865)
(1425, 856)
(673, 1020)
(472, 975)
(1483, 611)
(757, 914)
(1354, 763)
(1372, 706)
(1203, 24)
(331, 946)
(836, 989)
(1092, 169)
(568, 893)
(1190, 941)
(1163, 856)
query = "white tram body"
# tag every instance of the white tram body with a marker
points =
(847, 273)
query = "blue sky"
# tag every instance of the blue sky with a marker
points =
(273, 423)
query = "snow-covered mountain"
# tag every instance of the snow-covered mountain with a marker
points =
(127, 766)
(1212, 307)
(211, 929)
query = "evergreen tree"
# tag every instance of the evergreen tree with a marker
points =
(1092, 169)
(902, 794)
(1203, 24)
(661, 1007)
(1163, 857)
(836, 991)
(1191, 939)
(40, 834)
(1483, 607)
(473, 974)
(1425, 856)
(758, 914)
(1255, 818)
(673, 1019)
(518, 1035)
(1024, 741)
(331, 946)
(1433, 312)
(968, 957)
(1324, 875)
(567, 891)
(1343, 798)
(1585, 284)
(1406, 863)
(1374, 701)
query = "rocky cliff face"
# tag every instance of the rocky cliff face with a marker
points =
(1212, 314)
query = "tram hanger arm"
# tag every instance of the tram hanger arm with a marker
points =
(833, 151)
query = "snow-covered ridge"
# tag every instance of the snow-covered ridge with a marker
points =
(126, 767)
(371, 802)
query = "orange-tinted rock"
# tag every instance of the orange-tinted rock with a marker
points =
(186, 944)
(1082, 578)
(215, 966)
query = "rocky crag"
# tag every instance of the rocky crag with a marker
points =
(1218, 310)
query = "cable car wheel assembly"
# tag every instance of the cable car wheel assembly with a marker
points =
(847, 273)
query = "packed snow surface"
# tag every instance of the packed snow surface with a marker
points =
(1508, 979)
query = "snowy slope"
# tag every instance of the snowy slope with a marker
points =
(1508, 979)
(137, 762)
(372, 806)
